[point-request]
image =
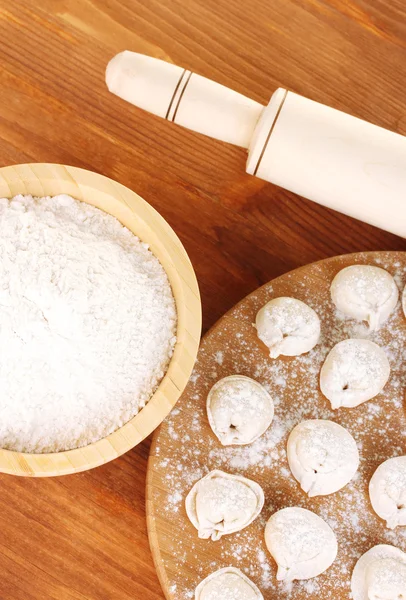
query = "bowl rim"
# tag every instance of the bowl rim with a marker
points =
(48, 179)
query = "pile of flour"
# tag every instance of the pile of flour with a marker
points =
(87, 324)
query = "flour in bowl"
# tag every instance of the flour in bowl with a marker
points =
(87, 324)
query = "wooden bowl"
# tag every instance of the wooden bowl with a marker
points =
(143, 220)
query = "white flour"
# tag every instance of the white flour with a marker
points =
(87, 324)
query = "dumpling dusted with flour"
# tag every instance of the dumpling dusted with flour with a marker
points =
(380, 574)
(288, 326)
(221, 503)
(227, 584)
(404, 301)
(323, 456)
(366, 293)
(239, 409)
(301, 543)
(387, 491)
(354, 371)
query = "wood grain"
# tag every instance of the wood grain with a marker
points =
(84, 536)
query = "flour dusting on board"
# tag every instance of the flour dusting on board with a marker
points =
(186, 449)
(87, 324)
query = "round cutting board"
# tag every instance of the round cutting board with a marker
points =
(185, 449)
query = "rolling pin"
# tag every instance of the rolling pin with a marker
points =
(318, 152)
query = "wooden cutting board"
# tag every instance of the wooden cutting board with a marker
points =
(184, 448)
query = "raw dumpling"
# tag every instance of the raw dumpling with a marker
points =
(221, 503)
(227, 584)
(380, 574)
(239, 409)
(387, 491)
(288, 326)
(404, 301)
(365, 293)
(323, 456)
(301, 543)
(354, 371)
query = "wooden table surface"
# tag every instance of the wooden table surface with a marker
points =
(84, 536)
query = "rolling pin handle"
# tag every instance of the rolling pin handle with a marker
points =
(183, 97)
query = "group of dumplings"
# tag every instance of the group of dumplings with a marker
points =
(322, 455)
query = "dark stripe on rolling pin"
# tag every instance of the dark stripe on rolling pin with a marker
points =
(174, 94)
(181, 96)
(270, 132)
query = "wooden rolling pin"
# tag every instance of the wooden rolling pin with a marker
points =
(315, 151)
